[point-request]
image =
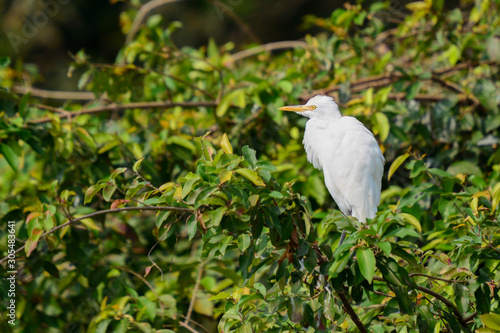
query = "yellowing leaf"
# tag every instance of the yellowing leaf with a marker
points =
(253, 199)
(396, 164)
(85, 137)
(418, 6)
(491, 320)
(412, 220)
(90, 224)
(178, 193)
(203, 305)
(226, 145)
(251, 176)
(167, 186)
(225, 176)
(33, 215)
(137, 164)
(495, 193)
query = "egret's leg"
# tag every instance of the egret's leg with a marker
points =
(342, 237)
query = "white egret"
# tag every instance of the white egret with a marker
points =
(348, 154)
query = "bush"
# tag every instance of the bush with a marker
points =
(179, 198)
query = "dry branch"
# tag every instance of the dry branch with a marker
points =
(54, 94)
(118, 107)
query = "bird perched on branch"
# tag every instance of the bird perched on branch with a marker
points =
(348, 154)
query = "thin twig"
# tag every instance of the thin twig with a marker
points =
(104, 212)
(436, 278)
(195, 291)
(145, 282)
(122, 107)
(144, 11)
(232, 15)
(186, 326)
(148, 183)
(291, 44)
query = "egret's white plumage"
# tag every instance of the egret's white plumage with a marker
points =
(348, 154)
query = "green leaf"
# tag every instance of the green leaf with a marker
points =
(464, 167)
(4, 61)
(108, 191)
(243, 242)
(236, 97)
(10, 155)
(453, 53)
(23, 105)
(149, 307)
(491, 320)
(188, 186)
(385, 246)
(85, 137)
(250, 157)
(192, 226)
(405, 303)
(439, 173)
(382, 125)
(137, 164)
(117, 172)
(91, 192)
(221, 295)
(366, 262)
(251, 176)
(391, 272)
(396, 164)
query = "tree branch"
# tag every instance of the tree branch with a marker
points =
(382, 80)
(104, 212)
(436, 278)
(118, 107)
(267, 48)
(447, 302)
(53, 94)
(350, 311)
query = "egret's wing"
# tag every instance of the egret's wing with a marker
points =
(353, 166)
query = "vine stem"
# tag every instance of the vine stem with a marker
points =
(104, 212)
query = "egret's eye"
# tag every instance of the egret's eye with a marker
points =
(313, 107)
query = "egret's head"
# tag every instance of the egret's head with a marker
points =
(319, 106)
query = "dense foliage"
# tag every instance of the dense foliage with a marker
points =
(179, 198)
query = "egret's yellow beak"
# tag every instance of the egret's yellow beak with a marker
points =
(298, 108)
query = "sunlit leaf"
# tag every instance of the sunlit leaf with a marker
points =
(226, 145)
(396, 164)
(366, 262)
